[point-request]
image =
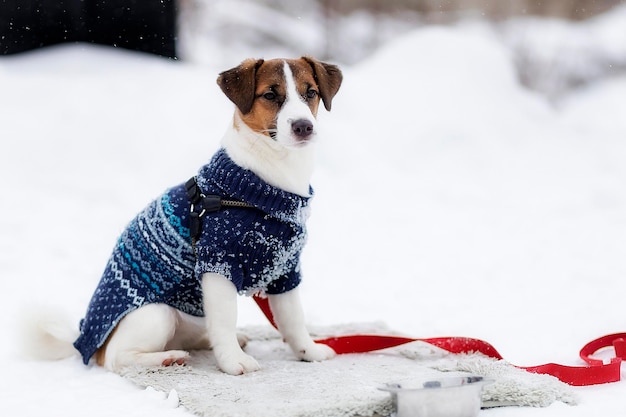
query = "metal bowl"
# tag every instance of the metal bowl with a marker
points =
(458, 396)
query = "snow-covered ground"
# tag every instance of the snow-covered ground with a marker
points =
(449, 201)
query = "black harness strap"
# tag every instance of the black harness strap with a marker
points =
(202, 204)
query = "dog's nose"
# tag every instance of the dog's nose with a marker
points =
(302, 128)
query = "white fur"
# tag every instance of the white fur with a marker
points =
(45, 334)
(157, 334)
(289, 318)
(289, 169)
(220, 311)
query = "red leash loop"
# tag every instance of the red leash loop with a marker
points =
(615, 340)
(596, 373)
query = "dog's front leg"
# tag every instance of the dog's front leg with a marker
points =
(289, 317)
(220, 310)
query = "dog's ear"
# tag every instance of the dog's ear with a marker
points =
(239, 84)
(328, 79)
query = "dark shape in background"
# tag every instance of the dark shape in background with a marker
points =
(140, 25)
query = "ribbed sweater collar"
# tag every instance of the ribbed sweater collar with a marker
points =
(235, 182)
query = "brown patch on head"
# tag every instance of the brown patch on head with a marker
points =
(259, 90)
(238, 83)
(269, 96)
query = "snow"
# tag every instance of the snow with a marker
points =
(449, 201)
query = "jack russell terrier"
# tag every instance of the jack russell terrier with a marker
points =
(172, 282)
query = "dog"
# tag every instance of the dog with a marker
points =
(172, 282)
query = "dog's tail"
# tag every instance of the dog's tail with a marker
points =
(46, 334)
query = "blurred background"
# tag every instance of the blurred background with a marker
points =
(556, 45)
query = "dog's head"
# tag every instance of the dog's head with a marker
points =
(279, 98)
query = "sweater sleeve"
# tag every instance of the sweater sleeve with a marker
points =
(256, 253)
(217, 250)
(285, 283)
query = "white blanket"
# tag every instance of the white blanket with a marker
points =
(346, 386)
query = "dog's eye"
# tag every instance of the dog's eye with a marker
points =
(311, 94)
(269, 96)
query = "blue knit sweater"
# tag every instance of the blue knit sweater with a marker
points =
(258, 249)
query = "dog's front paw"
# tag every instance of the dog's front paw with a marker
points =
(316, 352)
(236, 363)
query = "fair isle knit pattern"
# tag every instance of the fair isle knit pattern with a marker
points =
(258, 249)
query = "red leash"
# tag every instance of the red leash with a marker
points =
(596, 373)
